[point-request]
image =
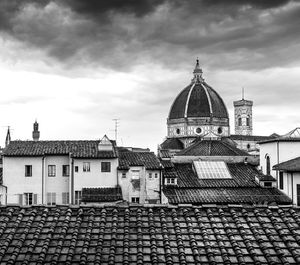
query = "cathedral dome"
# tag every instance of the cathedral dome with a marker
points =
(197, 100)
(198, 110)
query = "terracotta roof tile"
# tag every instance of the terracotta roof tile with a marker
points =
(292, 165)
(150, 235)
(211, 148)
(78, 149)
(225, 195)
(172, 143)
(147, 159)
(102, 194)
(243, 175)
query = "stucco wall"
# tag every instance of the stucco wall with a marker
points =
(95, 178)
(15, 180)
(290, 181)
(278, 152)
(149, 187)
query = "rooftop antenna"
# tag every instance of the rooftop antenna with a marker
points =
(117, 125)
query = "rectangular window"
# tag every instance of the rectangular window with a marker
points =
(51, 170)
(28, 170)
(135, 174)
(172, 181)
(135, 199)
(66, 170)
(123, 175)
(281, 180)
(86, 167)
(28, 196)
(105, 166)
(65, 198)
(76, 168)
(156, 175)
(150, 175)
(77, 197)
(51, 198)
(268, 184)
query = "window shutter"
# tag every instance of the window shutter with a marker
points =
(21, 199)
(34, 198)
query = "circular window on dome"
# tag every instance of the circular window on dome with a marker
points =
(178, 131)
(220, 130)
(198, 130)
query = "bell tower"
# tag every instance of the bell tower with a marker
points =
(36, 132)
(243, 116)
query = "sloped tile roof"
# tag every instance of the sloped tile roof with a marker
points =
(243, 175)
(150, 235)
(212, 148)
(225, 195)
(172, 143)
(266, 178)
(101, 194)
(292, 165)
(164, 153)
(255, 138)
(147, 159)
(191, 189)
(78, 149)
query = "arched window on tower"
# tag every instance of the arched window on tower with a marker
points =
(239, 121)
(248, 121)
(268, 166)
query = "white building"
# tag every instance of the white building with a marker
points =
(55, 172)
(139, 176)
(279, 158)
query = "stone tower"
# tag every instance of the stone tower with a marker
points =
(7, 139)
(243, 116)
(35, 133)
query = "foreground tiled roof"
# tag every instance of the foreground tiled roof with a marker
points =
(101, 194)
(147, 159)
(290, 165)
(253, 195)
(172, 143)
(78, 149)
(150, 235)
(212, 148)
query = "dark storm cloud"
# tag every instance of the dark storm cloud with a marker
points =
(120, 34)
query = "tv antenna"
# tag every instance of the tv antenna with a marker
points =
(117, 125)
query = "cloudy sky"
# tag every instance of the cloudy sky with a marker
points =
(76, 65)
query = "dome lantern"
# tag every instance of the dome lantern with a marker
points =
(197, 73)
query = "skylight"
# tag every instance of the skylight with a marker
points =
(212, 170)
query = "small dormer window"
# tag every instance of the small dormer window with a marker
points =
(170, 181)
(105, 144)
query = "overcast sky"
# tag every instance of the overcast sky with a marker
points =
(76, 65)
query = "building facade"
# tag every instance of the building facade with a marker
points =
(279, 157)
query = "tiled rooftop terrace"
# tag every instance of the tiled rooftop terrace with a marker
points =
(149, 235)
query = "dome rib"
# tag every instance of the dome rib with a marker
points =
(188, 101)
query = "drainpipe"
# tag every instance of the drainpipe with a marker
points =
(43, 177)
(72, 179)
(160, 185)
(277, 163)
(5, 194)
(292, 177)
